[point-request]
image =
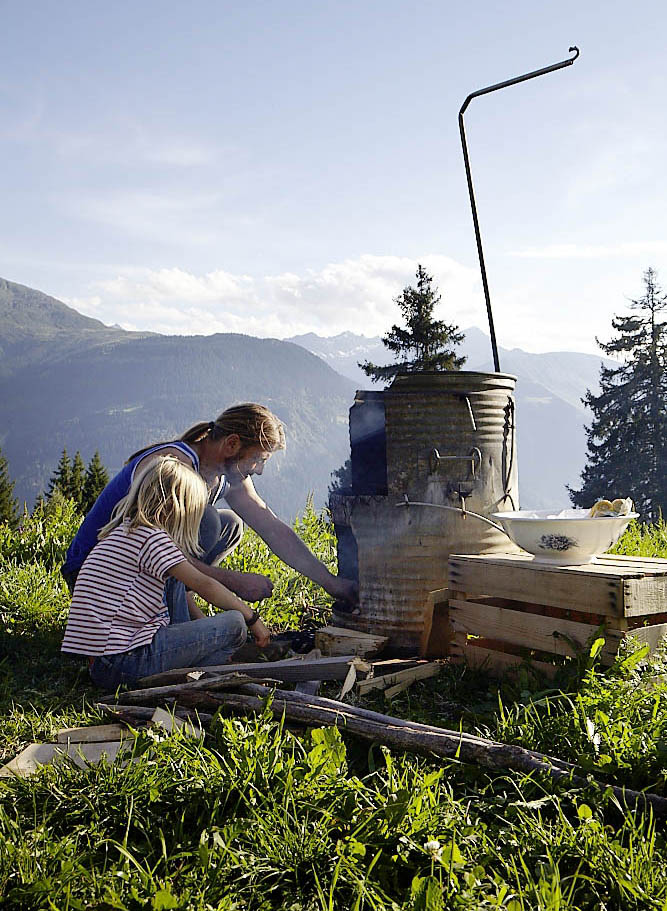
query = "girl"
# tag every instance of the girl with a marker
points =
(118, 616)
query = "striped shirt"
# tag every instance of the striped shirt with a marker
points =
(117, 603)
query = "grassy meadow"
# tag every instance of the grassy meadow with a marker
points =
(258, 817)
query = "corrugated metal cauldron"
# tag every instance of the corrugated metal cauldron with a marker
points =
(438, 438)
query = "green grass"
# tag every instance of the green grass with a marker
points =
(258, 817)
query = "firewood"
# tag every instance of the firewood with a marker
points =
(337, 640)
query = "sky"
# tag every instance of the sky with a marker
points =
(277, 168)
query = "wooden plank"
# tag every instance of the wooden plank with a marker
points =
(498, 663)
(81, 754)
(521, 580)
(431, 669)
(658, 564)
(532, 631)
(287, 670)
(94, 734)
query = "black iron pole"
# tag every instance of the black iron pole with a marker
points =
(464, 145)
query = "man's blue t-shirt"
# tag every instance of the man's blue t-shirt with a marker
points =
(100, 513)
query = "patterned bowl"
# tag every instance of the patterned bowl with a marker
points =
(568, 537)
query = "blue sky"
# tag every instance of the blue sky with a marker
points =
(282, 167)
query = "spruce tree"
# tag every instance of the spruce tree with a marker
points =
(77, 480)
(61, 479)
(627, 439)
(425, 344)
(8, 503)
(97, 479)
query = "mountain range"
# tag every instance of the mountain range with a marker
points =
(69, 381)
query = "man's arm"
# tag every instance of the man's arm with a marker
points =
(216, 593)
(284, 542)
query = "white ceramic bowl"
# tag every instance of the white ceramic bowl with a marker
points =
(568, 537)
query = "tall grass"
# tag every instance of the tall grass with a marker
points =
(258, 817)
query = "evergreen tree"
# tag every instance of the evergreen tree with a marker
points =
(77, 480)
(97, 479)
(424, 344)
(61, 479)
(627, 439)
(8, 503)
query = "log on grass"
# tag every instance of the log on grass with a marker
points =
(439, 741)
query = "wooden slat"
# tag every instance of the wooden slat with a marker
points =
(531, 631)
(98, 733)
(645, 596)
(500, 662)
(421, 672)
(649, 635)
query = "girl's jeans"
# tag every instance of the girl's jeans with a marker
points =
(212, 640)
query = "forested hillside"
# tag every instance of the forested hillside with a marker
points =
(117, 391)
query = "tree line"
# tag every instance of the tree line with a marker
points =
(71, 480)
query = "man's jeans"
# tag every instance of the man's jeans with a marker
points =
(212, 640)
(220, 531)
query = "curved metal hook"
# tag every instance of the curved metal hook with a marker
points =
(576, 50)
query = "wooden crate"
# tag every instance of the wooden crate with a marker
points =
(505, 608)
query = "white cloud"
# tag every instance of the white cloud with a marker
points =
(353, 295)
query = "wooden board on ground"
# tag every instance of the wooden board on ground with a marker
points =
(337, 640)
(95, 734)
(81, 754)
(288, 670)
(408, 676)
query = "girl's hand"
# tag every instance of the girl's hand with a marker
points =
(260, 633)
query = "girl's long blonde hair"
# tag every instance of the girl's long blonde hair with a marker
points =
(166, 494)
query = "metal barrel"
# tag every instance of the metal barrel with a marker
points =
(450, 441)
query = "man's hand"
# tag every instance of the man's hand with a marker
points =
(260, 634)
(344, 589)
(247, 586)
